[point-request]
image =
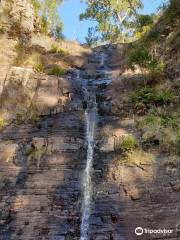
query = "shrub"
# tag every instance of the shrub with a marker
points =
(138, 157)
(58, 71)
(154, 34)
(172, 120)
(129, 143)
(56, 49)
(138, 55)
(36, 154)
(21, 117)
(162, 129)
(148, 95)
(3, 123)
(19, 48)
(39, 67)
(35, 61)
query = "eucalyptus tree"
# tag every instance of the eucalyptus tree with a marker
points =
(114, 17)
(47, 10)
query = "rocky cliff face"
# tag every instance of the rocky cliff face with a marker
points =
(17, 17)
(42, 163)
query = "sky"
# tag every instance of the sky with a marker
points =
(75, 29)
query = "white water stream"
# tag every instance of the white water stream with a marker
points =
(91, 118)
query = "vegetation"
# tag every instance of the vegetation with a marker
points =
(138, 157)
(128, 144)
(3, 123)
(151, 96)
(50, 20)
(36, 154)
(57, 71)
(56, 49)
(91, 38)
(114, 18)
(161, 128)
(26, 116)
(35, 61)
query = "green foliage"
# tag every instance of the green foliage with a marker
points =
(57, 71)
(152, 96)
(91, 39)
(58, 32)
(34, 153)
(47, 10)
(153, 34)
(143, 25)
(161, 127)
(3, 123)
(138, 157)
(128, 144)
(39, 67)
(171, 11)
(19, 48)
(113, 17)
(44, 25)
(56, 49)
(138, 55)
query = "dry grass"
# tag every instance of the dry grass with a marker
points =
(138, 157)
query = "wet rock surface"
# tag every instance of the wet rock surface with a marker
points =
(42, 166)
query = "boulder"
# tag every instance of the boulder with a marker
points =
(18, 92)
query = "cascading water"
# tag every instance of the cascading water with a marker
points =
(91, 118)
(102, 57)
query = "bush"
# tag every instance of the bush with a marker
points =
(57, 71)
(39, 67)
(21, 117)
(36, 154)
(56, 49)
(3, 123)
(138, 55)
(19, 48)
(152, 96)
(161, 128)
(35, 61)
(138, 157)
(129, 143)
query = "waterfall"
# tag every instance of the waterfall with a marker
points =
(91, 116)
(102, 57)
(77, 74)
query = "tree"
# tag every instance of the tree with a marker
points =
(114, 17)
(47, 10)
(91, 39)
